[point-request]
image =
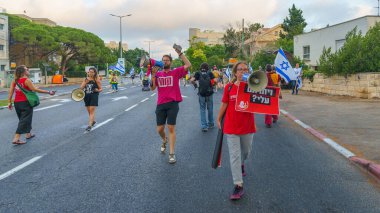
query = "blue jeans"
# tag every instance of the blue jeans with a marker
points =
(206, 102)
(114, 86)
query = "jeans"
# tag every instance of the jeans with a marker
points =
(114, 86)
(293, 84)
(206, 102)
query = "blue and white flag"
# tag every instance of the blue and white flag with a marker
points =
(132, 71)
(250, 68)
(299, 82)
(120, 66)
(228, 73)
(283, 67)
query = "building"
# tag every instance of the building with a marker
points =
(209, 37)
(309, 46)
(263, 39)
(44, 21)
(115, 45)
(4, 48)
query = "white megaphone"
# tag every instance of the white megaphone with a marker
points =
(256, 81)
(77, 94)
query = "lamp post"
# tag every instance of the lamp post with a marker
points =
(150, 41)
(120, 46)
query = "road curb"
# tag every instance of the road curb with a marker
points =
(370, 166)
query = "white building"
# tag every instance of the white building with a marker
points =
(309, 46)
(4, 48)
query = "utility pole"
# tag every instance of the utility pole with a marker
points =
(149, 41)
(378, 7)
(242, 40)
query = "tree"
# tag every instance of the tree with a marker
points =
(262, 58)
(294, 24)
(231, 41)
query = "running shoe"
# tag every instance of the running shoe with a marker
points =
(237, 193)
(172, 158)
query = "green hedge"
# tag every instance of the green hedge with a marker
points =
(75, 74)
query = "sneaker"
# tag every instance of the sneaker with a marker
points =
(243, 171)
(204, 129)
(172, 158)
(211, 126)
(93, 123)
(238, 192)
(88, 128)
(163, 146)
(268, 126)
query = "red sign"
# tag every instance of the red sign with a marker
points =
(263, 102)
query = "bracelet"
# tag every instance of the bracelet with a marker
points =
(180, 54)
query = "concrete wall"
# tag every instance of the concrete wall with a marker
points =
(363, 85)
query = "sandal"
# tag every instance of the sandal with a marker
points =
(163, 146)
(31, 136)
(18, 142)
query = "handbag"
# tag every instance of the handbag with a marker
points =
(31, 96)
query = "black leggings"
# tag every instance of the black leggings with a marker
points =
(25, 115)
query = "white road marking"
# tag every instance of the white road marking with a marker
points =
(302, 124)
(133, 86)
(119, 98)
(153, 94)
(18, 168)
(131, 107)
(184, 96)
(43, 108)
(339, 148)
(108, 92)
(64, 100)
(122, 89)
(145, 99)
(284, 112)
(101, 124)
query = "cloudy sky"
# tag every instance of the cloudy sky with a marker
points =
(168, 21)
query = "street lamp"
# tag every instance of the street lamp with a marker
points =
(120, 46)
(150, 41)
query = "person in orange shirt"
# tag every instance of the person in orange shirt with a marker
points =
(274, 79)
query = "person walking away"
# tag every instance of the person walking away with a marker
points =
(169, 95)
(205, 96)
(239, 128)
(114, 83)
(92, 87)
(274, 79)
(23, 109)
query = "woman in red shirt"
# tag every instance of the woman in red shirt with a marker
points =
(23, 109)
(239, 128)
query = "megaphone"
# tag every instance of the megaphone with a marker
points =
(77, 94)
(256, 81)
(145, 61)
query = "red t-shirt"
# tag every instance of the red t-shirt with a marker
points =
(235, 122)
(19, 95)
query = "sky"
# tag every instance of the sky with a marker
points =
(166, 22)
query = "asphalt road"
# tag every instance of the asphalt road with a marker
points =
(118, 167)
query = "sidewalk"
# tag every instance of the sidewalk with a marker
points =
(351, 122)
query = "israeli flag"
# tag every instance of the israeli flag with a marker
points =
(132, 71)
(283, 67)
(250, 68)
(120, 66)
(228, 73)
(299, 82)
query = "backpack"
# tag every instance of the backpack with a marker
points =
(205, 88)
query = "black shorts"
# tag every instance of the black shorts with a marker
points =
(167, 112)
(91, 99)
